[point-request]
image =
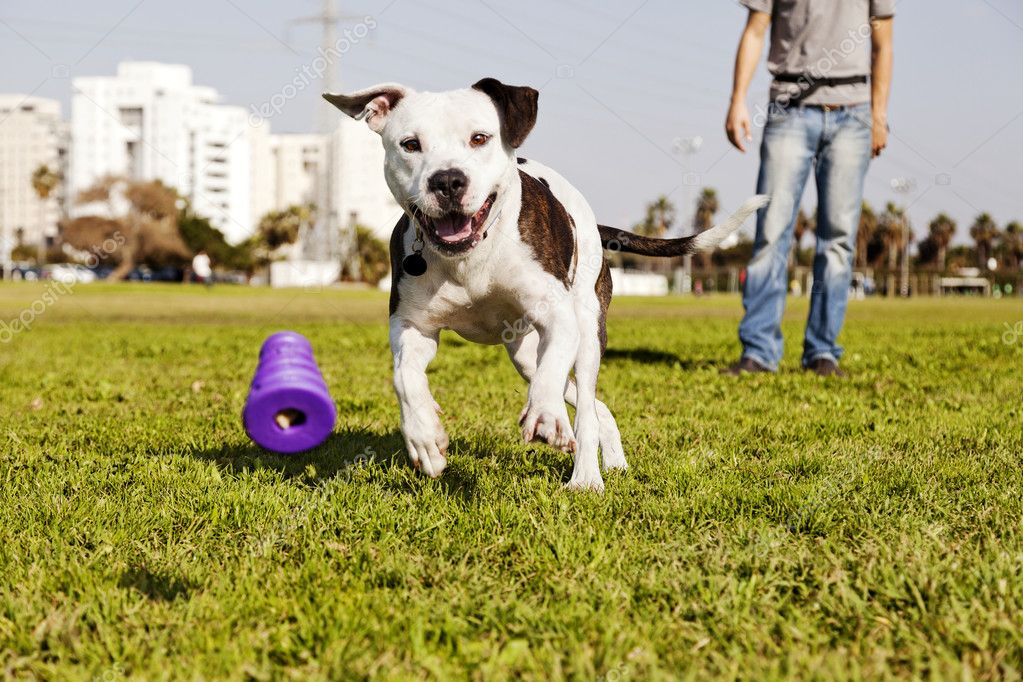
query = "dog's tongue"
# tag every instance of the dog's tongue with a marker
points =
(453, 228)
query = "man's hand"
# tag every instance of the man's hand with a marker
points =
(738, 125)
(880, 136)
(880, 79)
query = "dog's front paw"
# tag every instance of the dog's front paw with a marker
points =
(427, 445)
(548, 425)
(586, 481)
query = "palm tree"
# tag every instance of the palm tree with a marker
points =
(278, 229)
(942, 229)
(804, 224)
(1013, 241)
(892, 227)
(44, 181)
(984, 232)
(706, 207)
(865, 234)
(660, 216)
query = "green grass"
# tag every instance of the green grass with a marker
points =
(780, 526)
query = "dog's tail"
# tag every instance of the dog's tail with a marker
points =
(614, 239)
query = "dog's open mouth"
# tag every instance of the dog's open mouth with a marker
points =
(456, 231)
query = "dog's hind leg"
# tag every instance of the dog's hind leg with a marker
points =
(611, 452)
(545, 417)
(586, 473)
(523, 354)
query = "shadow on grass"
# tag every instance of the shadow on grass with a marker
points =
(651, 356)
(342, 450)
(383, 454)
(155, 586)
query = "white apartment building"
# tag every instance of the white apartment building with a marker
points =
(291, 169)
(296, 169)
(150, 122)
(360, 191)
(288, 170)
(32, 135)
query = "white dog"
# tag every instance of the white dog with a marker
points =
(499, 250)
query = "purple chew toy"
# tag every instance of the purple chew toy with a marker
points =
(289, 408)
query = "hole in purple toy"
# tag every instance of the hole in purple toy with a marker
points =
(289, 418)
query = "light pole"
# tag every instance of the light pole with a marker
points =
(6, 244)
(687, 148)
(333, 240)
(904, 187)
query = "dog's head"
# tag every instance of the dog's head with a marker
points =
(449, 156)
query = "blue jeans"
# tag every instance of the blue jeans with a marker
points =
(837, 145)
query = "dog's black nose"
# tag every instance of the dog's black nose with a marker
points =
(450, 184)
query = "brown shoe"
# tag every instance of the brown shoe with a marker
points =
(825, 367)
(746, 366)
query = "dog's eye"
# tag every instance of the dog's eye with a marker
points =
(479, 139)
(411, 145)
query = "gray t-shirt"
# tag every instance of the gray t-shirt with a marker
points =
(824, 38)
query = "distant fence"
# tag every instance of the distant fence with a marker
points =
(866, 282)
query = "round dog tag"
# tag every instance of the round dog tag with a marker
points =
(414, 265)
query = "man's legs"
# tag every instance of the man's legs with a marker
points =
(790, 142)
(841, 168)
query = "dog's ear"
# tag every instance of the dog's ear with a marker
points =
(374, 104)
(517, 106)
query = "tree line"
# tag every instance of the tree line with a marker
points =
(882, 239)
(156, 227)
(144, 222)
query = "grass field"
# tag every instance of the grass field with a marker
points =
(779, 526)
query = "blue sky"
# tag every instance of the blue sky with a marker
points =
(621, 82)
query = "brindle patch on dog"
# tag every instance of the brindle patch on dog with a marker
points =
(603, 287)
(546, 227)
(397, 256)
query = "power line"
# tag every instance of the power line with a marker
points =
(333, 239)
(83, 32)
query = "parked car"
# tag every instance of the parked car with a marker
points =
(168, 274)
(140, 274)
(102, 271)
(232, 277)
(69, 273)
(23, 272)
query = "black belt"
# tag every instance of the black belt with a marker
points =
(809, 84)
